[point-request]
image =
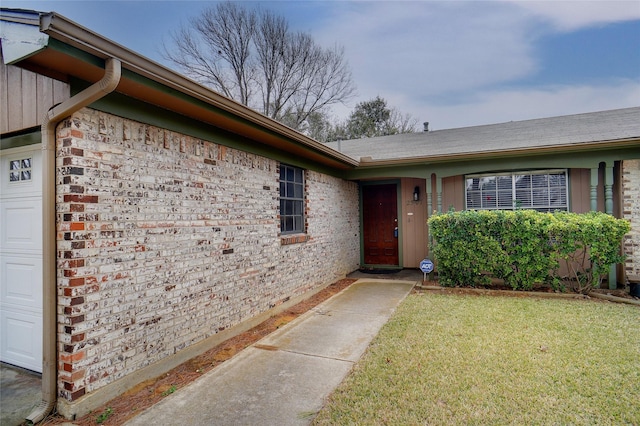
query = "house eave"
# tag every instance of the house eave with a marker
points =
(367, 162)
(220, 111)
(20, 35)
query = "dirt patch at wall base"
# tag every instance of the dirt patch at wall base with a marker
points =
(147, 393)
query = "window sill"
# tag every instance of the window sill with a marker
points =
(286, 240)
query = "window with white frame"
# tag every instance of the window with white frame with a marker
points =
(542, 190)
(20, 170)
(291, 199)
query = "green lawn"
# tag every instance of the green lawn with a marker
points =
(474, 360)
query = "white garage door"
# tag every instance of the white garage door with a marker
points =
(21, 257)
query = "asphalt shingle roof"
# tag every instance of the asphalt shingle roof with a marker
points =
(551, 132)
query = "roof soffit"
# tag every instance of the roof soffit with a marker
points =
(73, 51)
(20, 35)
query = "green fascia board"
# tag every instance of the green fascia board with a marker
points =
(74, 52)
(585, 160)
(34, 136)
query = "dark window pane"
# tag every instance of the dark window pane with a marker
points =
(523, 181)
(505, 200)
(489, 199)
(288, 223)
(539, 181)
(504, 182)
(540, 198)
(291, 199)
(488, 183)
(473, 184)
(473, 200)
(523, 197)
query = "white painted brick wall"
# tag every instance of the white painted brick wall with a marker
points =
(165, 240)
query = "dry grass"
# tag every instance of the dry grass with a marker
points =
(451, 359)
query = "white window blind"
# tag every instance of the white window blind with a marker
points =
(543, 190)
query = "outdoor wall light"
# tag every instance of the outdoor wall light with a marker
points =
(416, 193)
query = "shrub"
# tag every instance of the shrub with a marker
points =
(588, 244)
(524, 247)
(465, 251)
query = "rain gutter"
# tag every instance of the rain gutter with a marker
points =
(106, 85)
(67, 31)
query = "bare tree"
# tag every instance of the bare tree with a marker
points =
(253, 57)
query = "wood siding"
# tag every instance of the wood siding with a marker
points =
(415, 242)
(25, 97)
(453, 193)
(580, 190)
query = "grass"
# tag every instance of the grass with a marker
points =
(478, 360)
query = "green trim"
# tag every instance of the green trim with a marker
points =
(464, 166)
(69, 50)
(15, 141)
(398, 184)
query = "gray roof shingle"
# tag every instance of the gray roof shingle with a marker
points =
(562, 131)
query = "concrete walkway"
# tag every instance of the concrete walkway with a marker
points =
(285, 378)
(20, 393)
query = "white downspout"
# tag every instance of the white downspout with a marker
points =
(106, 85)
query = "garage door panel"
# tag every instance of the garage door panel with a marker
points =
(21, 257)
(21, 278)
(21, 173)
(21, 225)
(21, 341)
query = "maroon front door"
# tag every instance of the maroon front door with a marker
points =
(380, 221)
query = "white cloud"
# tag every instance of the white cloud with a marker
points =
(570, 15)
(428, 48)
(456, 63)
(513, 105)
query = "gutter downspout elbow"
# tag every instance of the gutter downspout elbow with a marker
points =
(106, 85)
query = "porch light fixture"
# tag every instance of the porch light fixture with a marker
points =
(416, 193)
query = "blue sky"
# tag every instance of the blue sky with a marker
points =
(452, 63)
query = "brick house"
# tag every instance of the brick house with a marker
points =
(146, 218)
(579, 163)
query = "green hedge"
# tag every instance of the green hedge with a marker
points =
(525, 247)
